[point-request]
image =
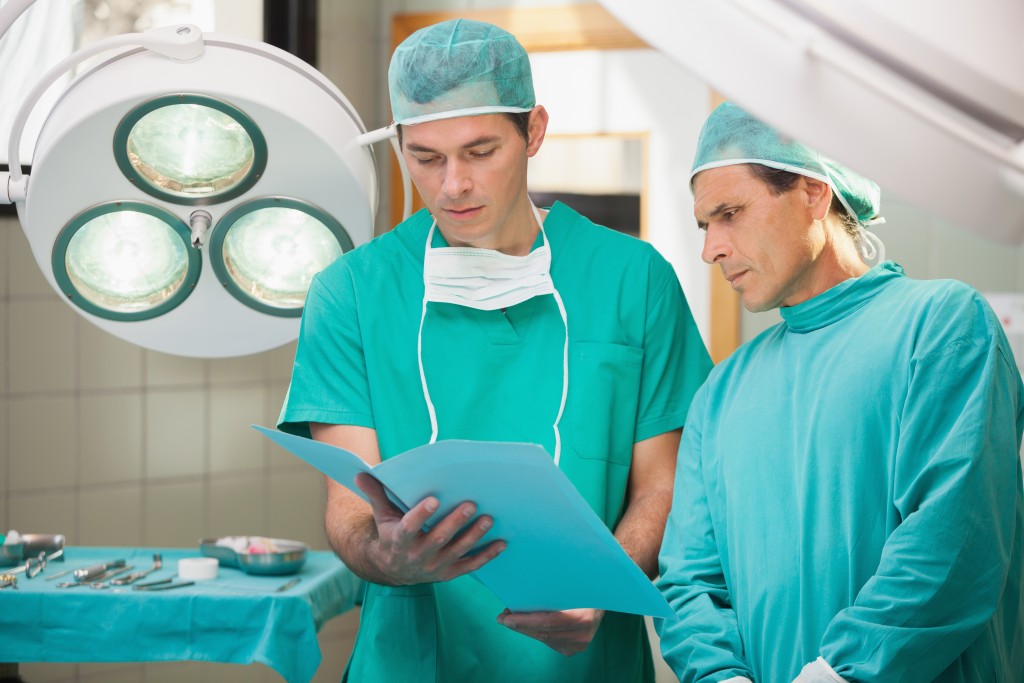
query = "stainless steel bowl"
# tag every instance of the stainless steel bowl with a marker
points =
(30, 546)
(289, 559)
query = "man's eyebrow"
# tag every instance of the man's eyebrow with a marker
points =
(476, 142)
(711, 214)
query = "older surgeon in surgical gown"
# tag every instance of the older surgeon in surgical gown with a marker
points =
(848, 501)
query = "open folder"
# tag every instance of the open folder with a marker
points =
(559, 555)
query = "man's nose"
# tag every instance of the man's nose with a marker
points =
(716, 247)
(456, 179)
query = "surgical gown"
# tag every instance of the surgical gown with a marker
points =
(635, 361)
(849, 487)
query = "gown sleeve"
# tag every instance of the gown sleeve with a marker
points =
(329, 382)
(704, 645)
(676, 361)
(957, 490)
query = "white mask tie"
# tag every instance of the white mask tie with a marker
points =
(486, 279)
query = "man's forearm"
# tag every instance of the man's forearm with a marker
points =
(642, 527)
(351, 533)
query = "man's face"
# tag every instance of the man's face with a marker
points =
(471, 173)
(766, 245)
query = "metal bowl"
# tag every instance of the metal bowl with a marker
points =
(30, 546)
(289, 559)
(12, 554)
(43, 543)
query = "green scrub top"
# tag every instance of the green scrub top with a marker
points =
(849, 487)
(635, 361)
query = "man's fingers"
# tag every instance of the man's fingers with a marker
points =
(477, 560)
(442, 533)
(383, 508)
(568, 632)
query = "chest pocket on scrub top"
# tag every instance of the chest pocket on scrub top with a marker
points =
(604, 389)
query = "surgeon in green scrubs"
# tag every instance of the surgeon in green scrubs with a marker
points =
(848, 503)
(483, 317)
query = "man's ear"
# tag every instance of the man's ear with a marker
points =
(536, 129)
(818, 196)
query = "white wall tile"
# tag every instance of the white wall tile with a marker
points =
(906, 234)
(985, 265)
(110, 517)
(105, 361)
(5, 476)
(279, 362)
(4, 362)
(111, 438)
(175, 433)
(23, 273)
(7, 225)
(43, 434)
(52, 513)
(249, 368)
(234, 445)
(41, 338)
(175, 514)
(296, 506)
(354, 17)
(163, 370)
(350, 61)
(236, 506)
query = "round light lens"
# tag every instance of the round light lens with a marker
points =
(271, 254)
(190, 150)
(126, 262)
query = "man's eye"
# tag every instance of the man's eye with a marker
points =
(481, 155)
(423, 161)
(728, 215)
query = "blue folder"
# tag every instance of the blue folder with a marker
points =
(560, 555)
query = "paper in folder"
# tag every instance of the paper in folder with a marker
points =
(559, 554)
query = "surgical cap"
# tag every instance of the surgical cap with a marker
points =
(732, 136)
(459, 68)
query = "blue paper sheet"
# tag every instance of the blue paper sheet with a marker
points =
(559, 555)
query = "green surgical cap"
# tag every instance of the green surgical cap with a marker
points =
(732, 136)
(459, 68)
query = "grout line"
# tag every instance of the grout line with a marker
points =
(207, 483)
(76, 434)
(156, 483)
(130, 390)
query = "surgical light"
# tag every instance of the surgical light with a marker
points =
(271, 249)
(125, 261)
(185, 190)
(190, 149)
(925, 98)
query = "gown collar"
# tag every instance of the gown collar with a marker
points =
(840, 301)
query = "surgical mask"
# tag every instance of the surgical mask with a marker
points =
(486, 279)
